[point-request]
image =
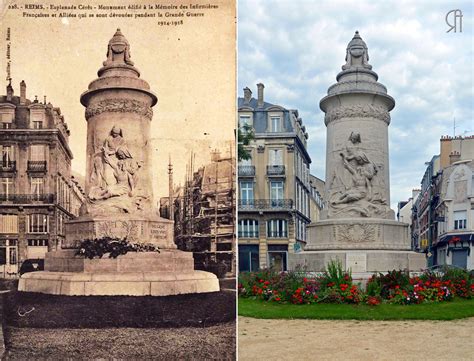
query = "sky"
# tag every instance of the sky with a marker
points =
(296, 48)
(190, 67)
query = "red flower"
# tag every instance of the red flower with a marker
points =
(330, 284)
(305, 280)
(278, 299)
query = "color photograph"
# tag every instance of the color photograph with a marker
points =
(355, 180)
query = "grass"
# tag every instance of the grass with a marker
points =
(453, 310)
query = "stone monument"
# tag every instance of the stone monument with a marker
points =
(358, 227)
(119, 199)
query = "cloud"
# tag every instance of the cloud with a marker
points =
(296, 48)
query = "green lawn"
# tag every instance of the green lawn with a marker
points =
(430, 311)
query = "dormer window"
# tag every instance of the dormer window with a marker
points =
(244, 120)
(275, 124)
(37, 119)
(6, 120)
(38, 124)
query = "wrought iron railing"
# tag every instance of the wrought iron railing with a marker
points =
(275, 170)
(246, 170)
(8, 166)
(36, 166)
(27, 198)
(262, 204)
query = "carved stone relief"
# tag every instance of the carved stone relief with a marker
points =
(121, 106)
(358, 111)
(114, 177)
(356, 233)
(356, 187)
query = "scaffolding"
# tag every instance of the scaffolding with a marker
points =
(204, 214)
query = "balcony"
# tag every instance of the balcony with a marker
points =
(273, 170)
(36, 166)
(8, 166)
(246, 170)
(265, 204)
(27, 198)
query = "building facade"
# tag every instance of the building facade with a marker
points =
(443, 215)
(203, 211)
(37, 193)
(274, 184)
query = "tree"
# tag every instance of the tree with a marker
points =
(245, 135)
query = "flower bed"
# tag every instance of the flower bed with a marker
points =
(336, 286)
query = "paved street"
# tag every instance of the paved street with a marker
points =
(355, 340)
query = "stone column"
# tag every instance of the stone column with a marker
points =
(119, 198)
(357, 118)
(118, 113)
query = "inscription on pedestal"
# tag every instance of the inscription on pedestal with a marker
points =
(134, 231)
(158, 232)
(357, 262)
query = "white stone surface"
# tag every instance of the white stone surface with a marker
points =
(124, 284)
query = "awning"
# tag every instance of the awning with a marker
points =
(454, 238)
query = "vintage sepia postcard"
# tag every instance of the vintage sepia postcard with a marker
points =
(117, 179)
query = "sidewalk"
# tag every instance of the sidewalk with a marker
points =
(355, 340)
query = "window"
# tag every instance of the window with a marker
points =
(38, 223)
(276, 157)
(276, 192)
(37, 118)
(8, 223)
(6, 188)
(277, 257)
(6, 120)
(246, 193)
(37, 243)
(277, 228)
(7, 155)
(38, 124)
(13, 258)
(248, 258)
(245, 123)
(248, 228)
(245, 162)
(37, 152)
(37, 186)
(275, 124)
(460, 219)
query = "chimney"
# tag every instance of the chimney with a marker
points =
(22, 92)
(215, 155)
(260, 87)
(247, 95)
(9, 91)
(454, 157)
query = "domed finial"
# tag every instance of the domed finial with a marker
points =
(357, 32)
(118, 50)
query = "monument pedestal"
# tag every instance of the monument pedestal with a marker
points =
(359, 261)
(362, 245)
(170, 272)
(135, 228)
